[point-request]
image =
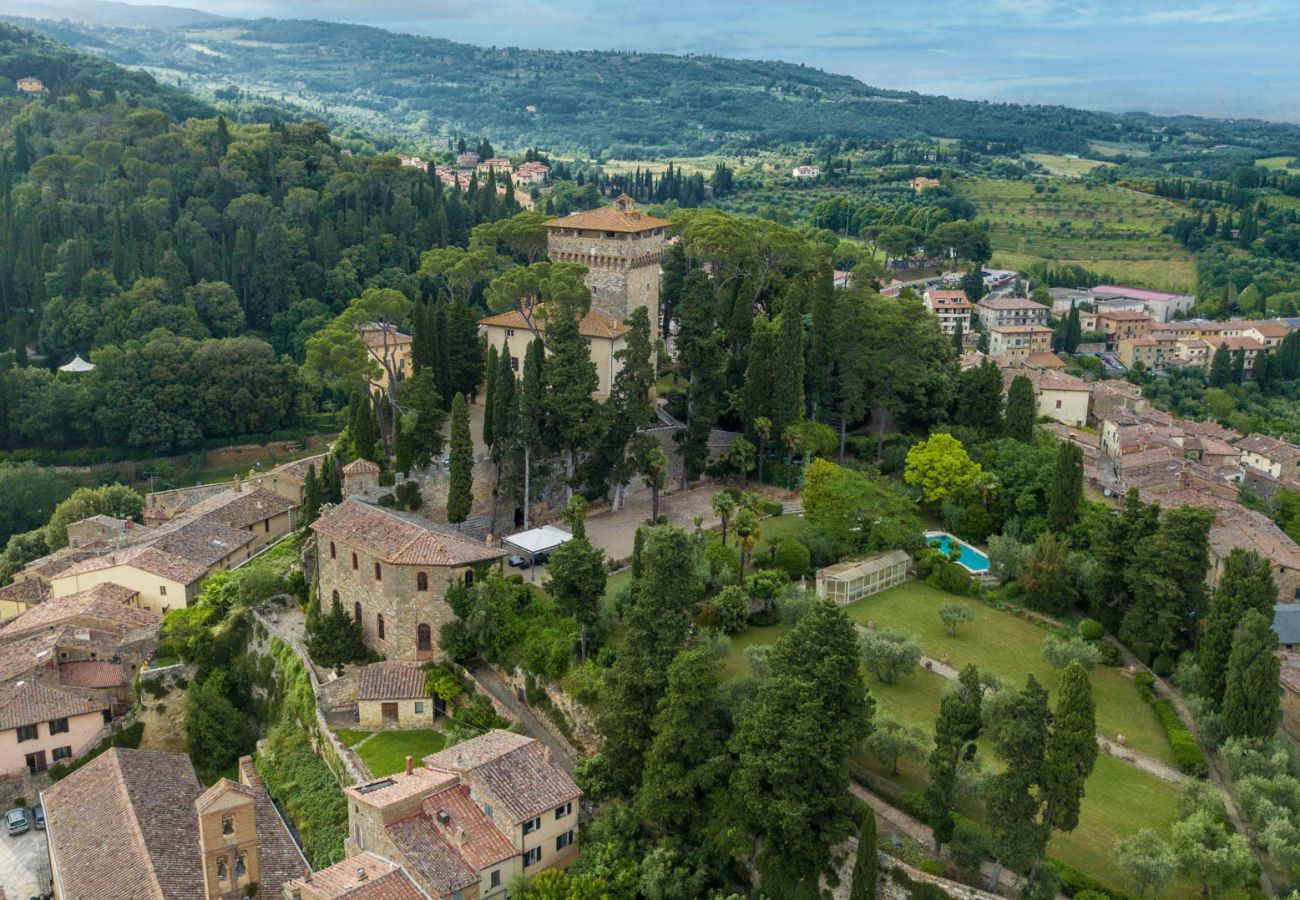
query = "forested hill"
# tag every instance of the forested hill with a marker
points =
(629, 105)
(188, 257)
(25, 53)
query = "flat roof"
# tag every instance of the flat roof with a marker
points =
(538, 540)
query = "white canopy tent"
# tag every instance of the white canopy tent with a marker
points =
(542, 539)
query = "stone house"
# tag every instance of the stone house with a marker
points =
(472, 818)
(1122, 324)
(392, 695)
(392, 570)
(288, 480)
(364, 876)
(605, 338)
(31, 85)
(138, 825)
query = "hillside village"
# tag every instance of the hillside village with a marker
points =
(624, 547)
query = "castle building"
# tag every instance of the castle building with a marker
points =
(622, 248)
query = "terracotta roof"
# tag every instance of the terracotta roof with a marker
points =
(29, 590)
(391, 681)
(122, 827)
(1270, 447)
(218, 788)
(435, 862)
(361, 467)
(29, 702)
(609, 218)
(400, 538)
(91, 673)
(593, 324)
(400, 786)
(41, 650)
(1124, 315)
(1234, 342)
(467, 828)
(296, 471)
(383, 880)
(1044, 380)
(511, 768)
(278, 857)
(106, 602)
(1043, 360)
(1020, 329)
(1273, 328)
(149, 559)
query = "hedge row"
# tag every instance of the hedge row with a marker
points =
(1187, 753)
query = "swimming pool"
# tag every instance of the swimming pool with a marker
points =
(971, 559)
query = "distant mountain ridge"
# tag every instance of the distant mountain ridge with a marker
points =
(620, 104)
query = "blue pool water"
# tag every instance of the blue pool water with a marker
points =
(971, 558)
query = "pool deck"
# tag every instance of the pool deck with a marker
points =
(935, 535)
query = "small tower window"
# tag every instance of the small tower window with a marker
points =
(241, 865)
(334, 554)
(379, 573)
(354, 561)
(222, 868)
(356, 609)
(421, 581)
(379, 625)
(227, 825)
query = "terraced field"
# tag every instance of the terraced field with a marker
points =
(1108, 229)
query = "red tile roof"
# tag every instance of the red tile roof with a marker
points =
(592, 325)
(400, 538)
(511, 768)
(29, 702)
(465, 826)
(391, 681)
(91, 673)
(609, 218)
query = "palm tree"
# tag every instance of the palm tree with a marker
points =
(655, 465)
(724, 504)
(763, 430)
(747, 532)
(793, 439)
(742, 457)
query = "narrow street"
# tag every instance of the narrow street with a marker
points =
(563, 754)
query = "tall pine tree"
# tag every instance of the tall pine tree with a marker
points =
(1251, 704)
(1246, 584)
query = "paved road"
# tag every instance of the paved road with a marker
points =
(24, 865)
(560, 750)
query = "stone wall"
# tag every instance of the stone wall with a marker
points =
(393, 596)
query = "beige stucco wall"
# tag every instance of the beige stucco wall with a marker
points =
(81, 731)
(545, 836)
(370, 713)
(601, 350)
(156, 593)
(1068, 407)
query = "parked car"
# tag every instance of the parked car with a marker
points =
(38, 817)
(540, 558)
(517, 562)
(16, 820)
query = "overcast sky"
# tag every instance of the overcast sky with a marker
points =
(1212, 57)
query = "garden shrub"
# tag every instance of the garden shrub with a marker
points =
(1059, 653)
(770, 507)
(1074, 882)
(1187, 753)
(1110, 654)
(822, 550)
(953, 578)
(765, 585)
(1164, 665)
(794, 558)
(936, 867)
(1091, 630)
(454, 638)
(927, 560)
(307, 790)
(968, 850)
(731, 608)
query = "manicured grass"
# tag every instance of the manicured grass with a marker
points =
(1069, 166)
(737, 664)
(616, 582)
(385, 752)
(1011, 648)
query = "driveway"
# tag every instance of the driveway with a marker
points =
(24, 865)
(614, 532)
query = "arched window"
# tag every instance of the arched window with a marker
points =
(469, 578)
(241, 865)
(227, 824)
(354, 560)
(421, 581)
(334, 554)
(221, 868)
(379, 625)
(356, 610)
(334, 596)
(423, 637)
(379, 573)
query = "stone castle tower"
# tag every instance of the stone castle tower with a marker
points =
(622, 249)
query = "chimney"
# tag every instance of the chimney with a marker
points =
(546, 752)
(237, 488)
(458, 837)
(306, 879)
(361, 873)
(409, 765)
(130, 522)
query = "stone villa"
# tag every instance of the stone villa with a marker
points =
(391, 570)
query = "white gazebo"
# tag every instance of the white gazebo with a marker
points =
(542, 539)
(77, 365)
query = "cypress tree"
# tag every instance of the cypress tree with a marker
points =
(1251, 705)
(1221, 367)
(1022, 409)
(365, 427)
(1246, 584)
(786, 406)
(532, 407)
(979, 399)
(866, 865)
(489, 399)
(759, 388)
(955, 733)
(959, 338)
(1073, 330)
(1071, 749)
(570, 380)
(821, 349)
(311, 496)
(1067, 487)
(1113, 551)
(460, 489)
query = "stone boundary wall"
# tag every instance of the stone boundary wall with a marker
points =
(887, 888)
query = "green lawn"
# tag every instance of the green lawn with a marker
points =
(1119, 800)
(1011, 648)
(385, 752)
